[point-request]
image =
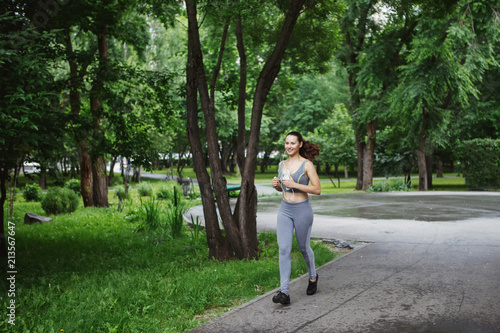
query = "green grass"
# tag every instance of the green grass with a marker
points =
(92, 271)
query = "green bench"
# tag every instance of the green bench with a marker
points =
(233, 190)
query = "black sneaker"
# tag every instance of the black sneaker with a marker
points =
(313, 286)
(281, 298)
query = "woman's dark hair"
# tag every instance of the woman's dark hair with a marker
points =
(308, 150)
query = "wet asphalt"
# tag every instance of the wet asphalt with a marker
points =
(430, 262)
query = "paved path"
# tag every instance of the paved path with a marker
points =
(432, 265)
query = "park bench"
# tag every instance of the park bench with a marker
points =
(233, 190)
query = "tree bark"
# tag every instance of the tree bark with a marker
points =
(4, 175)
(100, 184)
(439, 171)
(360, 148)
(112, 170)
(242, 88)
(421, 160)
(42, 179)
(368, 154)
(86, 178)
(429, 161)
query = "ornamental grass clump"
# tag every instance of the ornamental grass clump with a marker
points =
(145, 190)
(175, 211)
(152, 214)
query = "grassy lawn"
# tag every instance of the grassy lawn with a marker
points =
(104, 270)
(99, 270)
(450, 182)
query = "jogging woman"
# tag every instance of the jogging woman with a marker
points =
(297, 178)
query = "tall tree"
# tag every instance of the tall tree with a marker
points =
(240, 226)
(445, 62)
(375, 33)
(30, 118)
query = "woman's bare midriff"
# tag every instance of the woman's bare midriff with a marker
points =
(295, 197)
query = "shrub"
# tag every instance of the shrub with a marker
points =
(145, 190)
(74, 185)
(32, 193)
(60, 200)
(396, 185)
(480, 162)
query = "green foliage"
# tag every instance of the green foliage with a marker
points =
(145, 190)
(74, 185)
(60, 200)
(121, 193)
(152, 214)
(196, 229)
(164, 193)
(392, 186)
(480, 162)
(32, 192)
(335, 137)
(174, 212)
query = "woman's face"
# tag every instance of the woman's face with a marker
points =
(292, 145)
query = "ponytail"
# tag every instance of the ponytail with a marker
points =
(309, 149)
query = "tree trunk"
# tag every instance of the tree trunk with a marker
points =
(439, 171)
(86, 184)
(360, 148)
(421, 160)
(4, 175)
(429, 161)
(368, 155)
(86, 178)
(346, 171)
(112, 171)
(242, 88)
(100, 184)
(42, 179)
(225, 156)
(218, 245)
(16, 177)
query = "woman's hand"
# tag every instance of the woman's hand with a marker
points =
(276, 184)
(289, 183)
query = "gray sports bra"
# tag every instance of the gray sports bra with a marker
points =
(298, 176)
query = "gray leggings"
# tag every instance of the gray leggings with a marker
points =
(298, 216)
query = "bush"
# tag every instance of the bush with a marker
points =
(74, 185)
(396, 185)
(60, 200)
(145, 190)
(480, 162)
(32, 193)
